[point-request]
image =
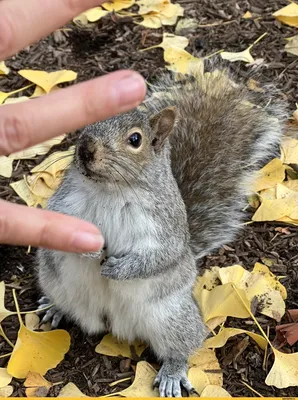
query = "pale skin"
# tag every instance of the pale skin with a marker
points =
(25, 124)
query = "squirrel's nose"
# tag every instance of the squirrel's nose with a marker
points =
(86, 150)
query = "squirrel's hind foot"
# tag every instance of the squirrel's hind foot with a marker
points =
(171, 377)
(52, 314)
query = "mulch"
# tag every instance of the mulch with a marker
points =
(108, 46)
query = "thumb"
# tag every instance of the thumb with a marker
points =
(21, 225)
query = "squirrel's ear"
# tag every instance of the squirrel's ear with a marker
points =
(162, 125)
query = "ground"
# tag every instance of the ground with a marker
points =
(114, 44)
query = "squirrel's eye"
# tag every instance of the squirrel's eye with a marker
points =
(135, 140)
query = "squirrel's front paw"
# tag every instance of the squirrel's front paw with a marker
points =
(111, 268)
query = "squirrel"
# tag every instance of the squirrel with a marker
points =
(165, 183)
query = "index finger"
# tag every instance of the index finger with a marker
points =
(24, 22)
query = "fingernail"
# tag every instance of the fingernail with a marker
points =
(129, 91)
(85, 241)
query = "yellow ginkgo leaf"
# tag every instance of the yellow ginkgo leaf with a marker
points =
(284, 372)
(238, 56)
(36, 385)
(213, 391)
(6, 391)
(269, 194)
(22, 189)
(289, 151)
(4, 70)
(198, 379)
(186, 25)
(4, 96)
(147, 6)
(288, 15)
(71, 390)
(272, 210)
(271, 278)
(110, 346)
(47, 80)
(206, 360)
(37, 150)
(151, 20)
(292, 45)
(3, 311)
(270, 175)
(226, 333)
(142, 385)
(247, 15)
(241, 55)
(14, 100)
(91, 15)
(37, 351)
(117, 5)
(181, 61)
(223, 301)
(56, 162)
(170, 40)
(32, 321)
(5, 378)
(169, 13)
(5, 166)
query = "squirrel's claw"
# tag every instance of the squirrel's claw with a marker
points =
(170, 385)
(52, 314)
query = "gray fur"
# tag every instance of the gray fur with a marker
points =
(144, 288)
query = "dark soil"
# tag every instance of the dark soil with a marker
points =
(112, 44)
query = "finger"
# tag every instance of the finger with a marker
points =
(21, 225)
(24, 22)
(28, 123)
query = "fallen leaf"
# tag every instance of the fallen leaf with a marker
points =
(288, 15)
(4, 96)
(159, 12)
(270, 278)
(71, 390)
(37, 351)
(150, 20)
(6, 391)
(292, 45)
(274, 210)
(289, 332)
(110, 346)
(284, 372)
(289, 151)
(4, 70)
(226, 333)
(206, 360)
(270, 175)
(3, 311)
(142, 385)
(222, 301)
(186, 25)
(5, 378)
(182, 62)
(36, 385)
(118, 5)
(47, 80)
(213, 391)
(198, 379)
(32, 321)
(56, 162)
(241, 55)
(170, 40)
(91, 15)
(5, 166)
(247, 15)
(23, 191)
(37, 150)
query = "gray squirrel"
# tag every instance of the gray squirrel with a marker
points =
(165, 183)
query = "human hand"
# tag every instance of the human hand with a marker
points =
(25, 124)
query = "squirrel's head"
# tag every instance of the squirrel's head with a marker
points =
(119, 148)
